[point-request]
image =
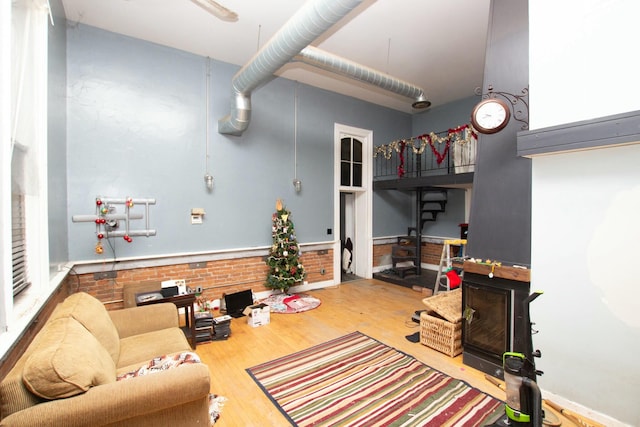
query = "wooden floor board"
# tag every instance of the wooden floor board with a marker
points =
(378, 309)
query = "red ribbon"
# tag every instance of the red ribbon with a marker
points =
(439, 156)
(401, 165)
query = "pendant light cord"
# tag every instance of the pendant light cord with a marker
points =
(295, 132)
(206, 109)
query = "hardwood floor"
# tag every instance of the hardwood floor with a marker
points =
(378, 309)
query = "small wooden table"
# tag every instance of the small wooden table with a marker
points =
(180, 301)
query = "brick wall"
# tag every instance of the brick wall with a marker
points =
(215, 277)
(431, 253)
(379, 252)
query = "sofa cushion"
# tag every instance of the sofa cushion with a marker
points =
(67, 361)
(143, 347)
(92, 314)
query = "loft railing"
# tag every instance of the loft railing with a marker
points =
(448, 152)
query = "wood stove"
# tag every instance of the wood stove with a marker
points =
(494, 317)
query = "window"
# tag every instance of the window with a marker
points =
(23, 159)
(350, 162)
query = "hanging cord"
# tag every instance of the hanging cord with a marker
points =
(206, 117)
(295, 132)
(259, 31)
(388, 53)
(208, 178)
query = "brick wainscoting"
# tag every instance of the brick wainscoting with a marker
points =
(216, 277)
(431, 252)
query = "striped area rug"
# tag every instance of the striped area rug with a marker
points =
(356, 380)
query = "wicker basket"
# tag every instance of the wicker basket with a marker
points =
(441, 324)
(448, 305)
(440, 334)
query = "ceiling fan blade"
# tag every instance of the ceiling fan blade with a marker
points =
(217, 10)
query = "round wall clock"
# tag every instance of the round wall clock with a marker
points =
(490, 115)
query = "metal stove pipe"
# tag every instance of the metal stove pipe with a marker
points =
(291, 42)
(336, 64)
(311, 21)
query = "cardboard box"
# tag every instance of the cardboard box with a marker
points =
(258, 315)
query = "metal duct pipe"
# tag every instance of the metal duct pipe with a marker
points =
(336, 64)
(311, 21)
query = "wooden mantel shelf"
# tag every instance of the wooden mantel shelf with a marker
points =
(504, 272)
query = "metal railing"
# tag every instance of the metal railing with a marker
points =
(427, 155)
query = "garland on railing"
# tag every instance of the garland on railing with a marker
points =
(420, 142)
(403, 145)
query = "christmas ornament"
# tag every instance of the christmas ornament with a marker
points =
(285, 269)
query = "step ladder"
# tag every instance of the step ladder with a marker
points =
(446, 262)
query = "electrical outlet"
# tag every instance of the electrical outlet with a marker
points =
(198, 289)
(322, 271)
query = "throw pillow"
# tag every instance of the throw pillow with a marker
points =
(161, 363)
(93, 315)
(68, 361)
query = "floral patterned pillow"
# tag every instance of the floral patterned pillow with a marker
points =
(162, 363)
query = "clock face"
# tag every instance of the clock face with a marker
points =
(490, 116)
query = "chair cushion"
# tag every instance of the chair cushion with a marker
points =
(68, 361)
(93, 315)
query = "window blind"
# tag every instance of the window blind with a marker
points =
(19, 244)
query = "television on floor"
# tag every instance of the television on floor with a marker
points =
(236, 303)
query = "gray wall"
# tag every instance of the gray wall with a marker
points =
(136, 127)
(392, 211)
(57, 139)
(440, 118)
(437, 119)
(500, 218)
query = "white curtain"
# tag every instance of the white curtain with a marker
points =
(28, 96)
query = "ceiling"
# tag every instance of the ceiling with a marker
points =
(438, 45)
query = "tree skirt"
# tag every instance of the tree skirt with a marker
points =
(296, 303)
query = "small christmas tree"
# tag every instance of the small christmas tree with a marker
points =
(285, 269)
